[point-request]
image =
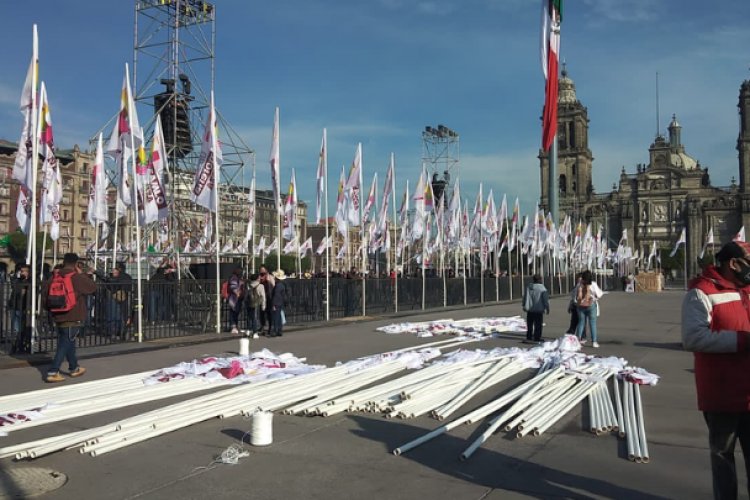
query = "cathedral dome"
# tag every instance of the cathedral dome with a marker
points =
(681, 160)
(566, 89)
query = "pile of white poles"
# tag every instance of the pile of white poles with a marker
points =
(537, 404)
(270, 394)
(471, 326)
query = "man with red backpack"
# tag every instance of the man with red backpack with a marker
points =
(64, 297)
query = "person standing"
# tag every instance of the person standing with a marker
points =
(278, 295)
(236, 294)
(535, 304)
(256, 304)
(587, 301)
(573, 309)
(68, 323)
(266, 316)
(19, 304)
(715, 327)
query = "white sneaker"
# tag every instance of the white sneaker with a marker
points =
(255, 336)
(234, 331)
(595, 345)
(583, 341)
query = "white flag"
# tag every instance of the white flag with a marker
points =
(679, 242)
(740, 236)
(51, 196)
(354, 187)
(305, 247)
(341, 220)
(261, 248)
(370, 202)
(250, 211)
(274, 160)
(709, 241)
(23, 167)
(322, 174)
(205, 185)
(97, 210)
(274, 246)
(123, 143)
(290, 211)
(156, 196)
(289, 247)
(323, 245)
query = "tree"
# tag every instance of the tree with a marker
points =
(17, 244)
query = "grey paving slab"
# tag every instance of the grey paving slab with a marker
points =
(348, 456)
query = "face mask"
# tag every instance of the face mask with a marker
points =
(743, 273)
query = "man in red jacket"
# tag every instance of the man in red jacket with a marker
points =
(715, 327)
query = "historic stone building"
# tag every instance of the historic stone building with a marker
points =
(661, 197)
(76, 234)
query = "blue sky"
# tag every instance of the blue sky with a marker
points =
(378, 71)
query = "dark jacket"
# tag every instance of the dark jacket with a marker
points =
(278, 295)
(83, 285)
(20, 298)
(535, 298)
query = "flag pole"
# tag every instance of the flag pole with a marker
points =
(328, 242)
(139, 303)
(31, 239)
(395, 237)
(362, 238)
(217, 195)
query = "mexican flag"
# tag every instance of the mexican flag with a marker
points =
(550, 52)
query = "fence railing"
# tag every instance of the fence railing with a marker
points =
(188, 307)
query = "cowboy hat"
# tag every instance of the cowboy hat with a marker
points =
(279, 274)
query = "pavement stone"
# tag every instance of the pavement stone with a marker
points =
(348, 456)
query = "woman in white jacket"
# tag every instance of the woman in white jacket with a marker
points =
(587, 296)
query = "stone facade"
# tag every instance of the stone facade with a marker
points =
(76, 234)
(661, 197)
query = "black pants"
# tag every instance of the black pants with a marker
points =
(534, 325)
(573, 310)
(723, 431)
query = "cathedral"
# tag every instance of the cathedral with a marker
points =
(654, 203)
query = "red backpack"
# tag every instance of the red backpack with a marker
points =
(61, 296)
(225, 290)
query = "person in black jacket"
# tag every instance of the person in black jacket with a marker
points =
(19, 304)
(266, 318)
(278, 294)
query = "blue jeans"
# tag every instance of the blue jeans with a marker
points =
(253, 319)
(587, 314)
(276, 326)
(66, 348)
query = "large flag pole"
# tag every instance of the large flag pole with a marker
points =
(324, 159)
(139, 303)
(31, 237)
(550, 52)
(275, 172)
(362, 238)
(395, 237)
(217, 195)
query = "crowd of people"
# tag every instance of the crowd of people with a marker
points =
(261, 298)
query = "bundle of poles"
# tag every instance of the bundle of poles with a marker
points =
(375, 384)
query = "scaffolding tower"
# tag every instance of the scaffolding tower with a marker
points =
(173, 76)
(441, 156)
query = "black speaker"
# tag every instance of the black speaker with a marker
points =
(175, 122)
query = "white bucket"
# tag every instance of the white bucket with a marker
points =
(244, 346)
(261, 433)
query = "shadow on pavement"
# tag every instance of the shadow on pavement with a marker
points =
(672, 346)
(490, 468)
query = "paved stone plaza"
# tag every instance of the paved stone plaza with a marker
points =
(348, 456)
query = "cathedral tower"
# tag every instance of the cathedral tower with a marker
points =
(575, 160)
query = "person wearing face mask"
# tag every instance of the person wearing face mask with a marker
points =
(716, 328)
